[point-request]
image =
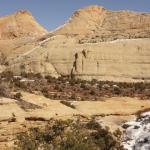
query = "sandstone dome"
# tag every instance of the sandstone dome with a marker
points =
(20, 24)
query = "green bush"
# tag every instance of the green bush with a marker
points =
(69, 135)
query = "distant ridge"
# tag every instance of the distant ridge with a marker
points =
(98, 23)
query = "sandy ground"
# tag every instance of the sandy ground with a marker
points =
(111, 112)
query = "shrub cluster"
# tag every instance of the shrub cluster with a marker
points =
(69, 135)
(65, 88)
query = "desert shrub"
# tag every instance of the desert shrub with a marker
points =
(116, 90)
(69, 135)
(72, 82)
(93, 81)
(38, 75)
(18, 96)
(45, 91)
(73, 96)
(147, 93)
(86, 90)
(83, 86)
(63, 78)
(7, 74)
(92, 124)
(92, 92)
(139, 86)
(24, 74)
(5, 90)
(79, 81)
(81, 41)
(99, 86)
(50, 79)
(18, 84)
(59, 87)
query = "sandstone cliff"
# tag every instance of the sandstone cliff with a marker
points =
(94, 44)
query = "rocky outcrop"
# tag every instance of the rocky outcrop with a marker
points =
(16, 31)
(95, 24)
(83, 21)
(20, 24)
(126, 60)
(35, 60)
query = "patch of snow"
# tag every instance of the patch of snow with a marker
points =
(121, 40)
(17, 77)
(137, 135)
(26, 80)
(146, 114)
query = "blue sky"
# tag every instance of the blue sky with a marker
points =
(52, 13)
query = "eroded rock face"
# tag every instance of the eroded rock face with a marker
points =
(20, 24)
(96, 24)
(36, 60)
(94, 44)
(126, 60)
(112, 52)
(83, 21)
(17, 30)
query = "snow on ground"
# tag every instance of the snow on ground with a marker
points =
(122, 40)
(137, 134)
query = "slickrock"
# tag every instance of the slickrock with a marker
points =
(14, 119)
